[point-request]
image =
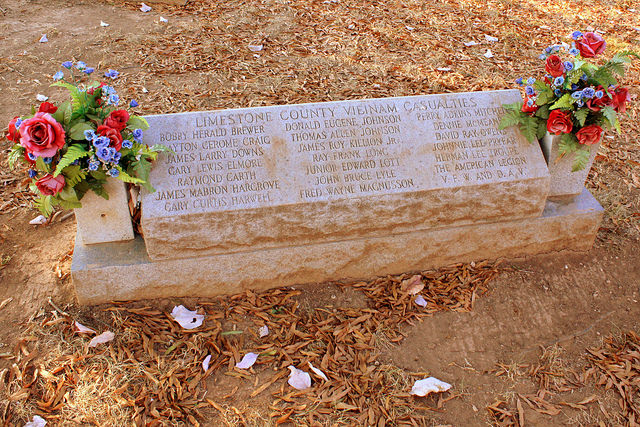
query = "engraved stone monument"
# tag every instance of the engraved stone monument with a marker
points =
(273, 196)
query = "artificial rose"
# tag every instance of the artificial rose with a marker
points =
(559, 122)
(112, 134)
(47, 107)
(591, 44)
(620, 96)
(92, 90)
(117, 119)
(529, 108)
(554, 66)
(42, 135)
(50, 185)
(596, 104)
(12, 135)
(589, 135)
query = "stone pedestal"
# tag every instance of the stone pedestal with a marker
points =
(100, 220)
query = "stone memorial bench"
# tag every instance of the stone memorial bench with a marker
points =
(273, 196)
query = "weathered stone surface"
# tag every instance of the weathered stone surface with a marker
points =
(277, 176)
(564, 182)
(123, 271)
(101, 220)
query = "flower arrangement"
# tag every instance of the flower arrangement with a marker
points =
(73, 147)
(576, 98)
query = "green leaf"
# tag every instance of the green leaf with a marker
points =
(529, 128)
(568, 144)
(137, 122)
(142, 169)
(99, 175)
(545, 97)
(41, 165)
(124, 177)
(73, 175)
(565, 102)
(511, 118)
(59, 114)
(66, 204)
(604, 77)
(610, 116)
(540, 85)
(44, 205)
(68, 114)
(542, 130)
(581, 115)
(581, 159)
(77, 99)
(98, 188)
(77, 131)
(16, 153)
(68, 193)
(543, 112)
(74, 152)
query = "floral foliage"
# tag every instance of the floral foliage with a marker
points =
(576, 99)
(73, 147)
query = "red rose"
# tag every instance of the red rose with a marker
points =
(554, 66)
(112, 134)
(589, 135)
(596, 104)
(50, 186)
(117, 119)
(591, 44)
(529, 108)
(47, 107)
(559, 122)
(12, 135)
(42, 135)
(620, 96)
(92, 90)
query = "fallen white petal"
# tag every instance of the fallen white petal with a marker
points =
(145, 90)
(471, 43)
(420, 301)
(163, 19)
(205, 363)
(247, 361)
(351, 26)
(186, 318)
(488, 54)
(44, 39)
(413, 285)
(39, 220)
(255, 47)
(318, 372)
(300, 380)
(544, 27)
(429, 385)
(443, 69)
(145, 8)
(490, 38)
(40, 97)
(81, 329)
(37, 421)
(103, 24)
(263, 331)
(102, 338)
(409, 28)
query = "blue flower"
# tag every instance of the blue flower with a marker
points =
(88, 70)
(32, 157)
(557, 92)
(18, 123)
(134, 103)
(558, 81)
(543, 57)
(584, 77)
(32, 173)
(116, 157)
(568, 66)
(89, 134)
(114, 172)
(530, 102)
(108, 90)
(573, 51)
(529, 90)
(81, 65)
(67, 64)
(103, 153)
(127, 144)
(113, 99)
(580, 103)
(111, 73)
(93, 166)
(548, 50)
(101, 142)
(576, 35)
(599, 94)
(47, 160)
(137, 134)
(588, 92)
(531, 81)
(574, 86)
(577, 94)
(58, 76)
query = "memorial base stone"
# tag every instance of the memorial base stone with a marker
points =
(123, 270)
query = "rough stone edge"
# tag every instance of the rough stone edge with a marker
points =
(123, 271)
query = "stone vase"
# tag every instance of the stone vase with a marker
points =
(564, 182)
(100, 220)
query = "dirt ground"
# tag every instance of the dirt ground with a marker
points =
(540, 311)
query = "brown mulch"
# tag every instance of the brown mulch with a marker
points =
(152, 371)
